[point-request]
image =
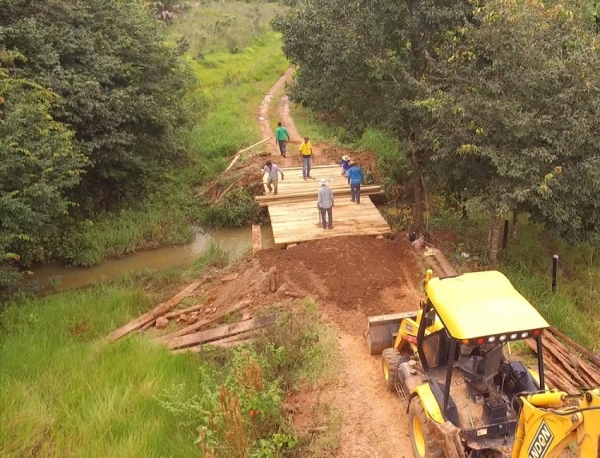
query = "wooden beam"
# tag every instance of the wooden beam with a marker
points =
(221, 332)
(256, 144)
(201, 323)
(176, 313)
(584, 351)
(245, 337)
(153, 314)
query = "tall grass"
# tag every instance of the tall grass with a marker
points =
(231, 86)
(65, 391)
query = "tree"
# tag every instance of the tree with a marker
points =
(38, 165)
(516, 102)
(167, 10)
(120, 86)
(364, 62)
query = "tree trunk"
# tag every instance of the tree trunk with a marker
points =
(515, 221)
(419, 201)
(494, 241)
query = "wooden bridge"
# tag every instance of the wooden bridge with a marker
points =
(295, 217)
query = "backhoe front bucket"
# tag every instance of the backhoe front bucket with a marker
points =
(382, 329)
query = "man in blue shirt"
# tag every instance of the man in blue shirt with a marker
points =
(355, 176)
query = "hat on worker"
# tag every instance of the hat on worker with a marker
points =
(345, 157)
(323, 183)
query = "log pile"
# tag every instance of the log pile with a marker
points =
(197, 321)
(567, 365)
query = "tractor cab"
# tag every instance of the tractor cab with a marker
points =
(451, 361)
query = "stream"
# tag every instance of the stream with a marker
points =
(237, 241)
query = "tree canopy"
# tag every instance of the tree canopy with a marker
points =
(120, 86)
(91, 99)
(499, 97)
(38, 163)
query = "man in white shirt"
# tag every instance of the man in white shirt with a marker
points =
(272, 170)
(325, 204)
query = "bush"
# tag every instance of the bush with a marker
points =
(237, 208)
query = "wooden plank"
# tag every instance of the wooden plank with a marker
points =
(574, 375)
(176, 313)
(435, 266)
(390, 318)
(287, 195)
(243, 337)
(153, 314)
(221, 332)
(201, 323)
(256, 239)
(558, 373)
(592, 375)
(584, 351)
(444, 264)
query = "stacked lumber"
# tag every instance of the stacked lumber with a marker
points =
(299, 196)
(567, 365)
(197, 319)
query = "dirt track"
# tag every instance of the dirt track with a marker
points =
(350, 278)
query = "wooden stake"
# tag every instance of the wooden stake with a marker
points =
(256, 239)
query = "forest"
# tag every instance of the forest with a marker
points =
(493, 103)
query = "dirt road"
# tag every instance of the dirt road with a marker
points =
(350, 278)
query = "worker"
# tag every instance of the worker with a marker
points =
(273, 171)
(306, 154)
(281, 138)
(345, 164)
(325, 204)
(355, 176)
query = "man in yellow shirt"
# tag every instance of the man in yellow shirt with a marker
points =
(306, 154)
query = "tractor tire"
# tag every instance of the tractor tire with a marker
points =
(389, 361)
(424, 445)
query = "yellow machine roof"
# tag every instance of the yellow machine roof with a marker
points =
(482, 304)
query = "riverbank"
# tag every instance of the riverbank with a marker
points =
(65, 391)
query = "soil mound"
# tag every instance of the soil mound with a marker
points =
(355, 273)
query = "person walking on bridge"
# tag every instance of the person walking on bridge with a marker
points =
(306, 154)
(273, 171)
(281, 138)
(325, 204)
(355, 176)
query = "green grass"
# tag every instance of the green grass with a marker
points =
(65, 391)
(232, 87)
(225, 100)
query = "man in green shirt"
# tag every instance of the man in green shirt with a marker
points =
(281, 137)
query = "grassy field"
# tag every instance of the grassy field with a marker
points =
(65, 391)
(231, 82)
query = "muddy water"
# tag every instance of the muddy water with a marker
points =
(236, 241)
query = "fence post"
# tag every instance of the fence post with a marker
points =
(554, 269)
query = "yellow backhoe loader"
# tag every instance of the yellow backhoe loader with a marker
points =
(465, 398)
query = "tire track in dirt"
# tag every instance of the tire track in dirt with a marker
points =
(374, 420)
